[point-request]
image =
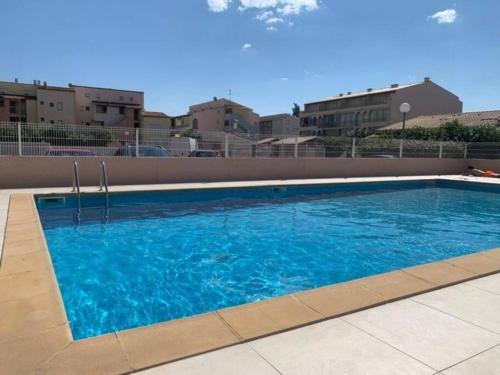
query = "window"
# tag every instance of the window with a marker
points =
(42, 119)
(98, 96)
(122, 98)
(59, 106)
(42, 102)
(51, 105)
(101, 109)
(13, 119)
(131, 99)
(229, 111)
(87, 123)
(195, 123)
(87, 108)
(13, 107)
(51, 121)
(2, 102)
(121, 110)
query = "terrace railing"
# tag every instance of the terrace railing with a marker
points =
(54, 140)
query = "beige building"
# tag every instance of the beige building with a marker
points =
(55, 105)
(375, 108)
(491, 118)
(108, 107)
(18, 102)
(223, 115)
(281, 124)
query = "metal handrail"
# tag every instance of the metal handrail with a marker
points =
(76, 183)
(103, 181)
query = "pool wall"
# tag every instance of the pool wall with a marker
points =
(35, 333)
(25, 172)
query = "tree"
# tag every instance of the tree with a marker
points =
(296, 110)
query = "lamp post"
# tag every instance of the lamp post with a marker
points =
(404, 109)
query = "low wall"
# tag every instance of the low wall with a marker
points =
(21, 172)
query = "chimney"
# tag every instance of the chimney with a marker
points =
(44, 83)
(427, 79)
(369, 89)
(341, 94)
(215, 98)
(394, 85)
(349, 93)
(16, 80)
(38, 82)
(34, 82)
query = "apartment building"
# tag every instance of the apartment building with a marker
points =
(17, 102)
(280, 124)
(223, 115)
(375, 108)
(108, 107)
(83, 105)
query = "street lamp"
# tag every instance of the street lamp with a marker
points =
(404, 109)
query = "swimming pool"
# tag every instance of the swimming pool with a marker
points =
(158, 256)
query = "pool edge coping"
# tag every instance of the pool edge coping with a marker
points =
(144, 347)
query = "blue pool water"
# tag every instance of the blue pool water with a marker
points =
(154, 257)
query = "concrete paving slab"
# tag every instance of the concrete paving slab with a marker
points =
(433, 337)
(467, 303)
(239, 359)
(334, 347)
(487, 363)
(490, 284)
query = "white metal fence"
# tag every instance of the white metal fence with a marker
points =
(53, 140)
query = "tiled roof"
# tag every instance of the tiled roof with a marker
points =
(154, 114)
(467, 118)
(364, 93)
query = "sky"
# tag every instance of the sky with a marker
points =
(269, 53)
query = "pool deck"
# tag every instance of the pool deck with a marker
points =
(35, 336)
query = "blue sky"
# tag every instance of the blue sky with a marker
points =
(270, 53)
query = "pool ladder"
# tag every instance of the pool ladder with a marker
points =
(103, 186)
(76, 188)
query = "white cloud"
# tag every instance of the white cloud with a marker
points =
(218, 5)
(271, 28)
(284, 79)
(445, 16)
(246, 46)
(269, 11)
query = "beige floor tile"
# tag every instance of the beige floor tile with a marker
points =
(236, 360)
(495, 253)
(35, 261)
(440, 273)
(249, 321)
(487, 363)
(25, 285)
(265, 317)
(100, 355)
(395, 285)
(22, 217)
(21, 356)
(433, 337)
(162, 343)
(30, 316)
(339, 299)
(490, 283)
(467, 303)
(24, 246)
(477, 263)
(33, 233)
(334, 347)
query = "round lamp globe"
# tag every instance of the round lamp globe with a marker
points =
(405, 108)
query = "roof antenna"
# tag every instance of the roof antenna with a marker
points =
(230, 94)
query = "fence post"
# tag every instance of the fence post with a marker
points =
(401, 149)
(136, 142)
(19, 140)
(465, 150)
(441, 150)
(296, 150)
(353, 151)
(226, 147)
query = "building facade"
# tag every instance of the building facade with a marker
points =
(83, 105)
(223, 115)
(281, 124)
(376, 108)
(108, 107)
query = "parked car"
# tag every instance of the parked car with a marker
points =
(144, 151)
(204, 154)
(78, 152)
